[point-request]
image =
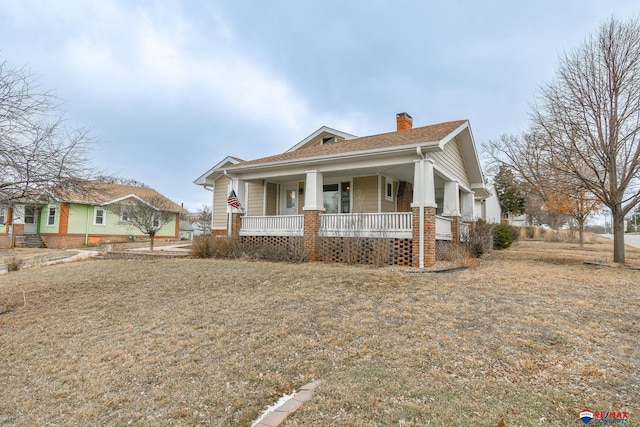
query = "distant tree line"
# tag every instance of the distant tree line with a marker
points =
(582, 148)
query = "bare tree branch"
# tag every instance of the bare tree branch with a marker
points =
(38, 150)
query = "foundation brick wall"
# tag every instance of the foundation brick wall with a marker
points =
(65, 241)
(429, 237)
(5, 241)
(18, 229)
(365, 250)
(218, 232)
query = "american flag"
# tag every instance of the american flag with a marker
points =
(233, 201)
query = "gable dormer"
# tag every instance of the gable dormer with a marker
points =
(324, 135)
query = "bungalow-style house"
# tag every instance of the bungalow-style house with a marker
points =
(93, 213)
(407, 189)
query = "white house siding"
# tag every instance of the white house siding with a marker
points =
(255, 199)
(220, 194)
(365, 194)
(272, 199)
(450, 161)
(388, 205)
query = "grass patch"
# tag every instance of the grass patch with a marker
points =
(529, 335)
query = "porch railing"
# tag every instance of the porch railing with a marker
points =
(380, 225)
(280, 225)
(443, 228)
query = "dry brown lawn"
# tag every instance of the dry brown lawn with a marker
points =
(529, 336)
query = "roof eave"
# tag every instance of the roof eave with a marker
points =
(332, 157)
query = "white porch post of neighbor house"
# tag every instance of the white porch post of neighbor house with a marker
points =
(468, 206)
(424, 213)
(451, 208)
(235, 214)
(313, 207)
(451, 202)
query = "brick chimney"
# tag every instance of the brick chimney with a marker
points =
(404, 121)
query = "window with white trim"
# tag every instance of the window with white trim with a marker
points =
(124, 215)
(388, 189)
(99, 216)
(51, 216)
(3, 216)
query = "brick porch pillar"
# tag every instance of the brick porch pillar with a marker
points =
(310, 237)
(455, 228)
(429, 237)
(236, 223)
(313, 207)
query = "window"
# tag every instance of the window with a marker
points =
(29, 215)
(124, 215)
(156, 222)
(337, 197)
(99, 215)
(345, 197)
(51, 217)
(388, 194)
(3, 217)
(291, 199)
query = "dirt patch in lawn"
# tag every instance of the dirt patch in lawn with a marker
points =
(522, 336)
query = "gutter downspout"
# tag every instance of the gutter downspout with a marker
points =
(422, 191)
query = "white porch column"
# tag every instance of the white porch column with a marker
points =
(451, 203)
(424, 191)
(313, 198)
(468, 206)
(238, 186)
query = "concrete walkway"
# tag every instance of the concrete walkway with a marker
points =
(277, 416)
(629, 239)
(70, 255)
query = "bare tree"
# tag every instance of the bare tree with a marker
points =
(590, 115)
(203, 221)
(37, 148)
(148, 215)
(550, 191)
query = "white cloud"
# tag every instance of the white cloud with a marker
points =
(154, 57)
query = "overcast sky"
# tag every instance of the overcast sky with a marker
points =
(172, 87)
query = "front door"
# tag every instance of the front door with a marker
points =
(290, 199)
(30, 220)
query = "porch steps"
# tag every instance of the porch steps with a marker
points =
(33, 241)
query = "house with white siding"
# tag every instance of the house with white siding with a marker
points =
(409, 189)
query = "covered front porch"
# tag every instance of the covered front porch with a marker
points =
(411, 202)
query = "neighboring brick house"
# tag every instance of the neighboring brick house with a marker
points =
(410, 188)
(93, 215)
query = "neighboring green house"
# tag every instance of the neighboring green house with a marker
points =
(96, 214)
